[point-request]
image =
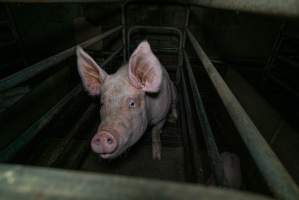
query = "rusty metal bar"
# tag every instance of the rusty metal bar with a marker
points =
(43, 65)
(288, 8)
(276, 176)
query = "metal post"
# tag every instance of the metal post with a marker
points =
(45, 64)
(276, 176)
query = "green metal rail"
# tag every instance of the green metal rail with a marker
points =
(18, 182)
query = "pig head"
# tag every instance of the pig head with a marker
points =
(138, 95)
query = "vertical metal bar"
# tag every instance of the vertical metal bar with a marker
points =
(276, 176)
(213, 153)
(124, 31)
(187, 15)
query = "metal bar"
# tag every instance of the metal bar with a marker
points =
(19, 182)
(276, 176)
(30, 133)
(188, 154)
(283, 85)
(213, 153)
(124, 31)
(115, 53)
(56, 155)
(159, 29)
(191, 129)
(41, 66)
(288, 8)
(27, 136)
(187, 16)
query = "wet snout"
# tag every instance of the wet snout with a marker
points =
(104, 143)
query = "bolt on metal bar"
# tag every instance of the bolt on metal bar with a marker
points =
(213, 153)
(45, 64)
(276, 176)
(288, 8)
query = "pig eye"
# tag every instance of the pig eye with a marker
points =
(131, 103)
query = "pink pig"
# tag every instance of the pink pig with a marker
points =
(138, 95)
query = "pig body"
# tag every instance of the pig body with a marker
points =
(140, 94)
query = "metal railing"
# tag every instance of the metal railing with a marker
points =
(278, 179)
(288, 8)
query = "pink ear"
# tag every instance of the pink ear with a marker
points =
(91, 74)
(145, 70)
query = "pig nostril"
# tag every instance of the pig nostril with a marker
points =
(109, 141)
(97, 140)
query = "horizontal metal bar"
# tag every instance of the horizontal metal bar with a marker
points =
(212, 149)
(289, 8)
(160, 30)
(41, 66)
(19, 182)
(30, 133)
(276, 176)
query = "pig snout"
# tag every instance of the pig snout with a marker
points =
(104, 143)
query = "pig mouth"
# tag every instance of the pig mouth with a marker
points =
(106, 155)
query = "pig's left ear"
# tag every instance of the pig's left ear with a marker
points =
(145, 70)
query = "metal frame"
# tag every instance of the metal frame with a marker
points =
(279, 181)
(47, 63)
(13, 148)
(161, 30)
(277, 177)
(19, 182)
(288, 8)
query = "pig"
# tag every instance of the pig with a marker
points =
(139, 95)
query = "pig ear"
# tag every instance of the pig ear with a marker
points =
(91, 74)
(145, 70)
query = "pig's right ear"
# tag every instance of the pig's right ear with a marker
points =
(91, 74)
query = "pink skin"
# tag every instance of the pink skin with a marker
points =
(138, 95)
